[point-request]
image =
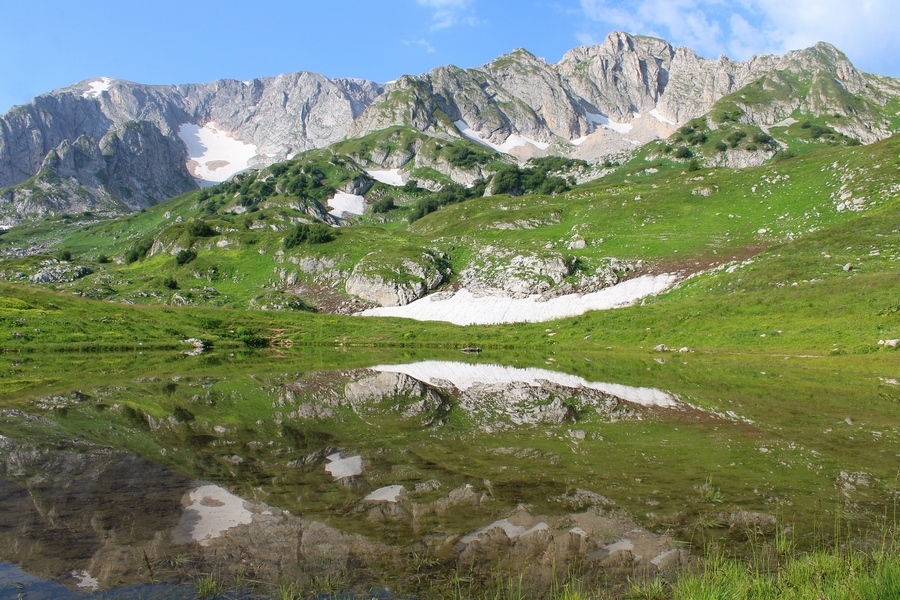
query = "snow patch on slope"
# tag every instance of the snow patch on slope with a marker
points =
(214, 155)
(346, 203)
(597, 119)
(463, 376)
(513, 141)
(656, 115)
(392, 177)
(463, 308)
(97, 87)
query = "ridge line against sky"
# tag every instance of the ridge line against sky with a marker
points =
(57, 43)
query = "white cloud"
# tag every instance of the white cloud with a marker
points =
(864, 29)
(447, 13)
(423, 43)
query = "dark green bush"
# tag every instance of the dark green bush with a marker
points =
(384, 205)
(735, 137)
(170, 282)
(185, 256)
(251, 339)
(460, 156)
(317, 233)
(183, 415)
(200, 229)
(139, 250)
(683, 152)
(422, 207)
(508, 180)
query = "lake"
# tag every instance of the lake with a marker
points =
(396, 474)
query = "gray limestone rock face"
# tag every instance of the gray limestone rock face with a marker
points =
(501, 272)
(580, 106)
(395, 281)
(134, 129)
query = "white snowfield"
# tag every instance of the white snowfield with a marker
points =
(214, 155)
(656, 115)
(513, 141)
(463, 376)
(97, 87)
(392, 177)
(463, 308)
(346, 203)
(210, 511)
(600, 121)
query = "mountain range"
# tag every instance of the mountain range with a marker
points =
(113, 146)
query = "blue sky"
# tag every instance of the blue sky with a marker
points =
(54, 43)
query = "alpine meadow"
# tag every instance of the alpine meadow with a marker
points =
(622, 326)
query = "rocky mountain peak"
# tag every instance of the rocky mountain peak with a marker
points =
(597, 102)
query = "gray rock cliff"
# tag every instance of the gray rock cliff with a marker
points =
(115, 145)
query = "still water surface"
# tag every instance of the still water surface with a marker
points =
(397, 476)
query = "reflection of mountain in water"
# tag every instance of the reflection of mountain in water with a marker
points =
(84, 510)
(497, 397)
(92, 518)
(325, 480)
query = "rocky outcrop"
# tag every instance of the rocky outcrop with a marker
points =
(407, 397)
(499, 272)
(390, 280)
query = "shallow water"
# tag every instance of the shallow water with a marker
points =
(401, 474)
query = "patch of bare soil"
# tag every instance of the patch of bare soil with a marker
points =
(695, 264)
(327, 299)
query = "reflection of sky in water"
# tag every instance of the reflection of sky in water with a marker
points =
(16, 584)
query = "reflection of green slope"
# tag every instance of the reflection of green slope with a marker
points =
(267, 435)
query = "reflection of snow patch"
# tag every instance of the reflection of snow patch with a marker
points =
(392, 177)
(85, 581)
(463, 376)
(662, 556)
(623, 544)
(209, 512)
(214, 155)
(391, 493)
(97, 87)
(344, 467)
(346, 203)
(465, 309)
(513, 141)
(511, 531)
